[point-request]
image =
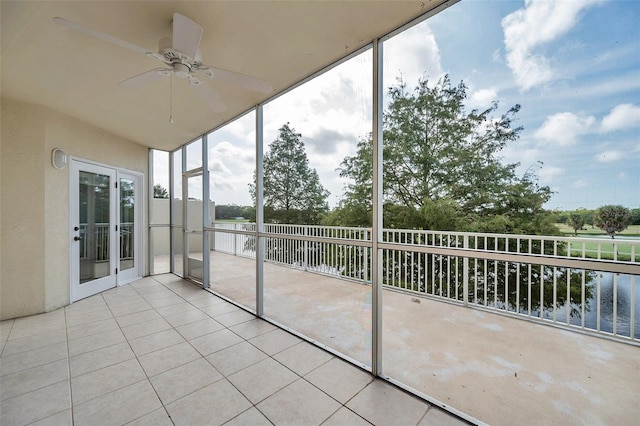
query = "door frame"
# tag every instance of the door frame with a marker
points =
(187, 229)
(76, 292)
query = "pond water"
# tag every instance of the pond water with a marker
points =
(623, 309)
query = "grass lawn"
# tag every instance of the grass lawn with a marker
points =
(632, 230)
(606, 250)
(606, 247)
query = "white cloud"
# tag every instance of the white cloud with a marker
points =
(529, 28)
(623, 116)
(548, 174)
(609, 156)
(580, 183)
(564, 128)
(414, 54)
(231, 172)
(482, 99)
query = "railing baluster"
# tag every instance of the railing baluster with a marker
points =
(517, 307)
(495, 285)
(632, 333)
(555, 289)
(615, 304)
(440, 275)
(583, 299)
(485, 283)
(506, 286)
(567, 302)
(432, 261)
(529, 290)
(598, 300)
(465, 273)
(541, 305)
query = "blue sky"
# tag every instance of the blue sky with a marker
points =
(573, 66)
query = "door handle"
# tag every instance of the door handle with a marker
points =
(76, 238)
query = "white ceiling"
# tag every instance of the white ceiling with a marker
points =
(279, 41)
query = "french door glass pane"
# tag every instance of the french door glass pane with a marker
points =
(94, 226)
(127, 222)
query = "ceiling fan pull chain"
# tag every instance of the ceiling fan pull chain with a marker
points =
(171, 98)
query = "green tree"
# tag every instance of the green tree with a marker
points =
(635, 217)
(612, 219)
(576, 221)
(442, 170)
(588, 216)
(440, 160)
(292, 189)
(159, 191)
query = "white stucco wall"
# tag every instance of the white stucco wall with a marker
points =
(34, 266)
(22, 226)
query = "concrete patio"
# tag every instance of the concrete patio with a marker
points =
(497, 369)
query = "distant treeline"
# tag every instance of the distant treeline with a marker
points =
(588, 216)
(232, 211)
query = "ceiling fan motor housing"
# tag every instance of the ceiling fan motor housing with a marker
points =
(182, 64)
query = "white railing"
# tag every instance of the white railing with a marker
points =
(588, 283)
(97, 247)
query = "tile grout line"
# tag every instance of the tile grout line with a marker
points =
(66, 332)
(13, 323)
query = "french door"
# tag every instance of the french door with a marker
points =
(105, 228)
(193, 232)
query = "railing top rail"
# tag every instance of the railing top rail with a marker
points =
(618, 238)
(387, 231)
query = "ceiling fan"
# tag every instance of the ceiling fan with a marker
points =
(181, 55)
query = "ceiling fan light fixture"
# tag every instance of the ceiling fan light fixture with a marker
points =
(181, 70)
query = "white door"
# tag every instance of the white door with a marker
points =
(93, 229)
(106, 228)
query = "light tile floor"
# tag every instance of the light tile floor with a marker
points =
(161, 351)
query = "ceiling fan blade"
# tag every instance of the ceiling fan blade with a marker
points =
(145, 77)
(186, 35)
(246, 81)
(207, 94)
(102, 36)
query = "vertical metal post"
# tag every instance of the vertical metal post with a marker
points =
(235, 241)
(376, 229)
(150, 213)
(259, 215)
(171, 214)
(465, 273)
(305, 248)
(185, 212)
(206, 212)
(212, 212)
